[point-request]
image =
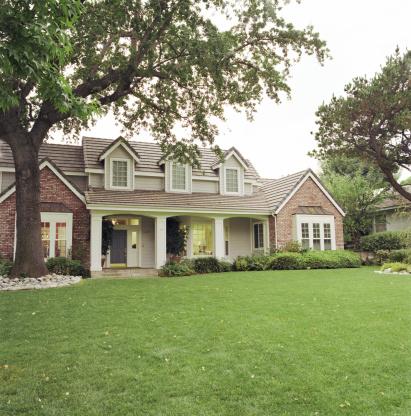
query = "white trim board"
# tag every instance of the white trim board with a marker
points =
(315, 180)
(172, 211)
(43, 165)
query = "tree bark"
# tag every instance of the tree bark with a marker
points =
(29, 256)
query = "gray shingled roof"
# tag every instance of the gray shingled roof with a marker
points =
(277, 190)
(150, 154)
(66, 157)
(157, 199)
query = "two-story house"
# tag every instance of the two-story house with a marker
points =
(227, 208)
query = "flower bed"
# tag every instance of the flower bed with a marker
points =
(45, 282)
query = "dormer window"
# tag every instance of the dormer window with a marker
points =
(178, 177)
(120, 169)
(232, 181)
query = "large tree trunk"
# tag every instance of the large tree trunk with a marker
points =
(29, 258)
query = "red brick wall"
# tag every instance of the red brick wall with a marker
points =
(308, 195)
(51, 190)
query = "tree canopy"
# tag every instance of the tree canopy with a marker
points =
(358, 187)
(372, 120)
(156, 64)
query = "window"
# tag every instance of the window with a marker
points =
(45, 238)
(60, 243)
(119, 173)
(226, 240)
(316, 236)
(202, 239)
(231, 180)
(56, 234)
(327, 236)
(258, 236)
(380, 223)
(305, 235)
(178, 177)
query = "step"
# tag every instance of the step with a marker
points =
(131, 272)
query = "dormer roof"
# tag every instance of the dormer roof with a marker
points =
(120, 141)
(231, 152)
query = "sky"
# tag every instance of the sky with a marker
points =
(360, 35)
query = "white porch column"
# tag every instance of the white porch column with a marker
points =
(219, 251)
(95, 241)
(160, 241)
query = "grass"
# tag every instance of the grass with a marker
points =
(319, 342)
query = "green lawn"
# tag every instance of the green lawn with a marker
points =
(329, 342)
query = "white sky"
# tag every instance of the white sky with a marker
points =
(359, 33)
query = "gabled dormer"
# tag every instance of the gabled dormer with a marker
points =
(178, 176)
(231, 172)
(119, 160)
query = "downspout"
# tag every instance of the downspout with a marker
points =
(275, 229)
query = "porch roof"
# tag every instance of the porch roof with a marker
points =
(163, 200)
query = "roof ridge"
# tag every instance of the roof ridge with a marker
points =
(286, 176)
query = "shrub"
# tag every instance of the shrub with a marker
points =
(381, 256)
(206, 265)
(5, 267)
(65, 266)
(293, 247)
(251, 263)
(332, 259)
(225, 266)
(172, 268)
(398, 256)
(287, 261)
(387, 240)
(240, 264)
(396, 267)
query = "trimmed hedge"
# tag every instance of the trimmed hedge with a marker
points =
(295, 261)
(387, 240)
(200, 265)
(65, 266)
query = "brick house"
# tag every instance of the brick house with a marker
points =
(227, 208)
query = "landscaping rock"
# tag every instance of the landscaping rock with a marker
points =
(45, 282)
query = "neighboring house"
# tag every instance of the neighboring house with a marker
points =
(393, 214)
(228, 210)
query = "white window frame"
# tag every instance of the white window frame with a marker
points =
(263, 235)
(53, 218)
(238, 180)
(186, 167)
(129, 179)
(315, 219)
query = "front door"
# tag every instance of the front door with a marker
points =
(118, 251)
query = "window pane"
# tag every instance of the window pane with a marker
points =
(134, 239)
(327, 244)
(380, 223)
(316, 244)
(327, 230)
(258, 236)
(120, 173)
(202, 239)
(45, 237)
(305, 231)
(178, 176)
(60, 242)
(316, 230)
(305, 243)
(231, 180)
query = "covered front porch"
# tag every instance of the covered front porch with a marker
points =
(139, 238)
